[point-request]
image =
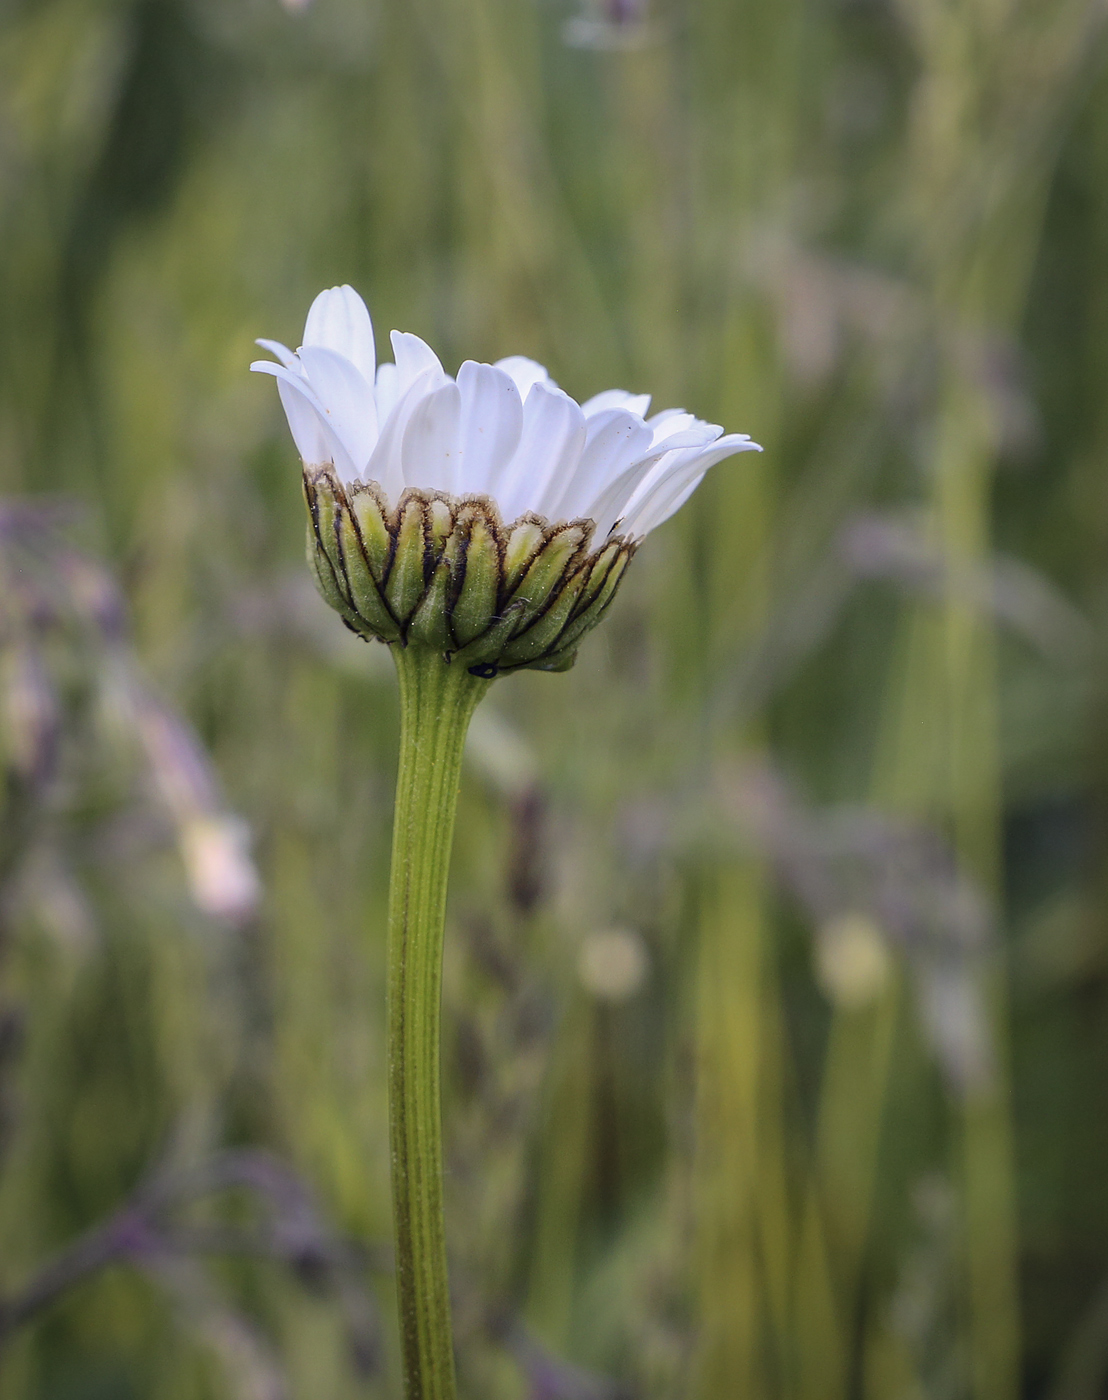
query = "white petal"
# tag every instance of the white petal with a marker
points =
(669, 428)
(386, 465)
(664, 415)
(305, 425)
(338, 320)
(524, 372)
(549, 449)
(615, 440)
(611, 504)
(309, 428)
(616, 398)
(283, 353)
(431, 454)
(386, 391)
(669, 421)
(291, 376)
(315, 440)
(699, 435)
(667, 503)
(673, 480)
(663, 503)
(686, 432)
(492, 421)
(346, 399)
(413, 358)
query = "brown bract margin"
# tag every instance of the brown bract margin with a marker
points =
(446, 572)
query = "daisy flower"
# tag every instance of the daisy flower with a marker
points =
(488, 515)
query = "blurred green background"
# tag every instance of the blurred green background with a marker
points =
(777, 974)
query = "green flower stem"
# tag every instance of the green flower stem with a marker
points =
(436, 702)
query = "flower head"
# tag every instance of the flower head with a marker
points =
(489, 515)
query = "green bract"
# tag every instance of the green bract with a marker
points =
(450, 575)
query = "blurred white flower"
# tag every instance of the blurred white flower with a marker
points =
(852, 960)
(505, 431)
(502, 753)
(29, 711)
(957, 1021)
(612, 24)
(613, 964)
(221, 875)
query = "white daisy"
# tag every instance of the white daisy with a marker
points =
(506, 432)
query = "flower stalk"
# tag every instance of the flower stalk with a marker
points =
(437, 699)
(477, 525)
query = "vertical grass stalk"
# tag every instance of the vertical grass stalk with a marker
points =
(436, 702)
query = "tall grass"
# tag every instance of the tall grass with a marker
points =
(832, 772)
